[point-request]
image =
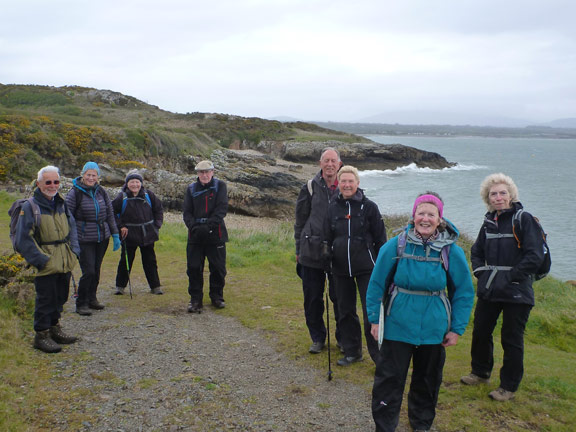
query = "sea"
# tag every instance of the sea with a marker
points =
(542, 169)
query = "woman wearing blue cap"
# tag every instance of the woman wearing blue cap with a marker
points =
(90, 205)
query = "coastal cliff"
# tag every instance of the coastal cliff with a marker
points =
(264, 162)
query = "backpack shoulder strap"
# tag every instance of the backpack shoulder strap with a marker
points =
(517, 221)
(147, 197)
(310, 188)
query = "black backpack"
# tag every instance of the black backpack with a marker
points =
(15, 212)
(544, 268)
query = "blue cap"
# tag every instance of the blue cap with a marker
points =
(90, 166)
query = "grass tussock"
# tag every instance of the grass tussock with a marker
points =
(264, 293)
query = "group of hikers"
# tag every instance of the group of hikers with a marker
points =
(415, 289)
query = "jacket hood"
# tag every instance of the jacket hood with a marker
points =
(446, 237)
(77, 183)
(491, 215)
(45, 202)
(358, 196)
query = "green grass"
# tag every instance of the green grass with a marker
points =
(263, 292)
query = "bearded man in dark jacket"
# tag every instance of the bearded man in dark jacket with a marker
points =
(205, 207)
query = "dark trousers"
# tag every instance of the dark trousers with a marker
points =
(51, 294)
(348, 321)
(514, 319)
(149, 265)
(196, 254)
(313, 281)
(390, 379)
(91, 256)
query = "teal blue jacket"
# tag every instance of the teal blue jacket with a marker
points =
(421, 319)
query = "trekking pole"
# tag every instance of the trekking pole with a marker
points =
(75, 295)
(125, 250)
(328, 325)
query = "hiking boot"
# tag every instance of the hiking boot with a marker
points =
(473, 379)
(83, 310)
(44, 342)
(347, 361)
(96, 305)
(219, 304)
(60, 337)
(157, 291)
(119, 290)
(501, 395)
(316, 347)
(194, 307)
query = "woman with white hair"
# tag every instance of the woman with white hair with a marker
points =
(504, 259)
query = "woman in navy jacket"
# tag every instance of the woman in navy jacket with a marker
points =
(91, 207)
(354, 234)
(504, 267)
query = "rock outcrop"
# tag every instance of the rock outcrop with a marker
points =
(266, 180)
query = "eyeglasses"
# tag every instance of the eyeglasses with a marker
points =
(49, 182)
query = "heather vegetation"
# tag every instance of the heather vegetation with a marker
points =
(66, 126)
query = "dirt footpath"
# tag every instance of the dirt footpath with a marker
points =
(167, 370)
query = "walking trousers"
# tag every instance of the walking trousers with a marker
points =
(514, 319)
(196, 254)
(348, 321)
(51, 295)
(91, 257)
(149, 265)
(313, 281)
(390, 379)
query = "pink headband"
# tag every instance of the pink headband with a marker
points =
(428, 199)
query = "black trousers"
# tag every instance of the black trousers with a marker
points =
(51, 295)
(196, 254)
(348, 321)
(149, 265)
(313, 281)
(514, 319)
(91, 257)
(390, 379)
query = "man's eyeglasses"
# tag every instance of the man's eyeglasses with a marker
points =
(49, 182)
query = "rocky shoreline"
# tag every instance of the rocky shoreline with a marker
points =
(264, 180)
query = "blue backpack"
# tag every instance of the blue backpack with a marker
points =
(126, 199)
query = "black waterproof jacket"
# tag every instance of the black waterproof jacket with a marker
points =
(143, 219)
(515, 285)
(354, 231)
(310, 217)
(205, 207)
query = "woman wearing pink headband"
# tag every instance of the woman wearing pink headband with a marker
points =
(407, 297)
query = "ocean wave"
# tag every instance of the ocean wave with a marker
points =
(413, 168)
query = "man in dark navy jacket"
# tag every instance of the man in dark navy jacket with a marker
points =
(205, 207)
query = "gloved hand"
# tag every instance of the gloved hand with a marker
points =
(326, 256)
(116, 239)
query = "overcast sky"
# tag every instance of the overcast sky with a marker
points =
(308, 59)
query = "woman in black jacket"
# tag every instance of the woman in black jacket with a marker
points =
(354, 234)
(507, 253)
(139, 216)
